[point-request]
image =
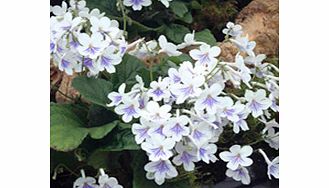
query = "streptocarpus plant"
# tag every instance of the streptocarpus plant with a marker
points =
(182, 115)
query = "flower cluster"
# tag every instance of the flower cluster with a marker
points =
(104, 181)
(139, 4)
(181, 116)
(85, 40)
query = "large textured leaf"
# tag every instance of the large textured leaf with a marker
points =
(127, 70)
(121, 139)
(176, 32)
(179, 8)
(67, 131)
(92, 89)
(100, 132)
(206, 36)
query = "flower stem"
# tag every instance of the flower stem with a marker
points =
(124, 16)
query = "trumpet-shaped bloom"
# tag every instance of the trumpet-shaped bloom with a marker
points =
(205, 56)
(158, 148)
(186, 156)
(108, 182)
(85, 182)
(103, 25)
(244, 44)
(159, 89)
(232, 29)
(257, 102)
(209, 99)
(140, 130)
(272, 166)
(137, 4)
(190, 87)
(168, 47)
(108, 59)
(241, 123)
(207, 152)
(59, 10)
(237, 156)
(201, 133)
(156, 113)
(128, 110)
(240, 174)
(160, 170)
(176, 128)
(91, 46)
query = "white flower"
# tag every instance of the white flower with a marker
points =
(201, 133)
(91, 46)
(141, 130)
(59, 10)
(108, 59)
(165, 2)
(228, 110)
(240, 174)
(160, 170)
(257, 102)
(108, 182)
(186, 156)
(272, 139)
(190, 87)
(176, 128)
(84, 182)
(244, 70)
(207, 152)
(209, 99)
(174, 75)
(244, 44)
(237, 156)
(255, 60)
(158, 148)
(205, 56)
(159, 89)
(156, 113)
(272, 166)
(78, 4)
(241, 123)
(137, 4)
(91, 65)
(116, 97)
(189, 41)
(84, 13)
(129, 109)
(69, 23)
(103, 25)
(168, 47)
(232, 29)
(68, 62)
(157, 129)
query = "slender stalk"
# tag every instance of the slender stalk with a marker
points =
(124, 16)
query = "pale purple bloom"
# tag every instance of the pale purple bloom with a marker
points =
(176, 128)
(207, 152)
(159, 89)
(140, 130)
(160, 170)
(129, 109)
(156, 113)
(186, 156)
(108, 182)
(257, 101)
(209, 99)
(137, 4)
(272, 166)
(237, 156)
(232, 29)
(174, 75)
(108, 59)
(239, 174)
(205, 56)
(244, 44)
(91, 46)
(85, 182)
(116, 97)
(158, 148)
(241, 123)
(201, 133)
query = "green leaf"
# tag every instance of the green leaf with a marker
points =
(187, 18)
(179, 59)
(104, 159)
(121, 138)
(67, 131)
(92, 89)
(179, 8)
(100, 132)
(127, 70)
(206, 36)
(176, 32)
(109, 7)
